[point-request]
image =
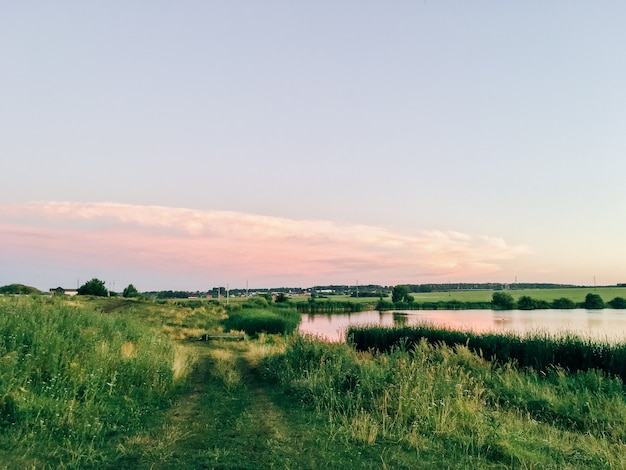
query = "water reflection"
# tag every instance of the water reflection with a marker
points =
(604, 324)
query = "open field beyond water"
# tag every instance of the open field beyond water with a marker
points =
(576, 294)
(116, 383)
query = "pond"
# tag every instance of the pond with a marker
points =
(605, 325)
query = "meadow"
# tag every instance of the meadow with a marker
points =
(455, 299)
(126, 383)
(72, 378)
(577, 294)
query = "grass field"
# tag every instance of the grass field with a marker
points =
(117, 383)
(576, 294)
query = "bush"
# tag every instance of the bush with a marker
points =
(617, 302)
(255, 321)
(526, 303)
(593, 301)
(502, 301)
(563, 303)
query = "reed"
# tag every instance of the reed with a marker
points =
(449, 405)
(254, 321)
(332, 306)
(540, 351)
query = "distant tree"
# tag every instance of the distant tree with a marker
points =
(593, 301)
(130, 291)
(617, 302)
(401, 294)
(502, 301)
(526, 303)
(563, 303)
(93, 287)
(281, 298)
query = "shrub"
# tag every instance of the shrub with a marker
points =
(255, 321)
(502, 301)
(526, 303)
(617, 302)
(563, 303)
(593, 301)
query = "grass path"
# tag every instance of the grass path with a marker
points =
(230, 418)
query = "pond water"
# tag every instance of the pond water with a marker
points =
(605, 325)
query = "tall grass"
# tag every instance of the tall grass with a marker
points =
(71, 378)
(254, 321)
(454, 408)
(332, 306)
(539, 351)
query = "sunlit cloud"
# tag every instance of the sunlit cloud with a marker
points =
(221, 244)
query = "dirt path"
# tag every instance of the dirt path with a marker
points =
(230, 418)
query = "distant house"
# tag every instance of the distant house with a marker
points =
(61, 291)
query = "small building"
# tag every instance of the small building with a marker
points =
(62, 291)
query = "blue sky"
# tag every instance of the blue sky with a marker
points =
(495, 129)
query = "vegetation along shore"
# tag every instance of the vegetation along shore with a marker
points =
(129, 382)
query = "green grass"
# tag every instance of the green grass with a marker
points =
(453, 409)
(576, 294)
(73, 379)
(109, 383)
(253, 321)
(539, 351)
(179, 319)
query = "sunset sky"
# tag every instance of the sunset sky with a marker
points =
(192, 144)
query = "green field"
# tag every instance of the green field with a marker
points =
(576, 294)
(118, 383)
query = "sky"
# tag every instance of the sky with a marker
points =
(192, 144)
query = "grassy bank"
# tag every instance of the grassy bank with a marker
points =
(73, 380)
(449, 408)
(255, 320)
(539, 351)
(118, 383)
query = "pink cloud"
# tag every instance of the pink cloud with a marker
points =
(240, 246)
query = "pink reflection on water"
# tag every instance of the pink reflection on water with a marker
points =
(604, 325)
